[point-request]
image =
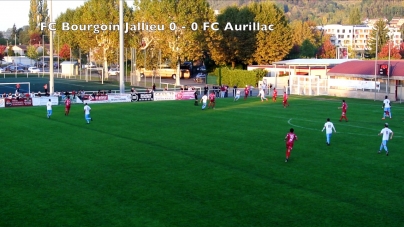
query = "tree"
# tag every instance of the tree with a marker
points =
(35, 38)
(327, 49)
(271, 45)
(302, 31)
(32, 52)
(10, 51)
(308, 49)
(394, 51)
(177, 41)
(378, 33)
(64, 51)
(33, 16)
(233, 46)
(354, 16)
(2, 49)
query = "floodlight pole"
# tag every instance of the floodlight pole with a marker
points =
(377, 38)
(51, 76)
(121, 49)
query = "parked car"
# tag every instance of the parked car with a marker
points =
(17, 69)
(33, 70)
(2, 70)
(90, 65)
(113, 72)
(200, 77)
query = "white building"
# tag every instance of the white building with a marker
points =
(356, 37)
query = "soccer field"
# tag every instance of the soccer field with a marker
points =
(173, 164)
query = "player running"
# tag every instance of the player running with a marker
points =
(212, 102)
(204, 101)
(285, 99)
(290, 139)
(237, 97)
(344, 107)
(246, 92)
(262, 94)
(67, 106)
(386, 132)
(386, 107)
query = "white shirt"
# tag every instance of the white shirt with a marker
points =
(238, 92)
(386, 103)
(87, 109)
(204, 98)
(328, 126)
(262, 93)
(386, 133)
(49, 106)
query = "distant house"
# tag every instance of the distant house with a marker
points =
(18, 50)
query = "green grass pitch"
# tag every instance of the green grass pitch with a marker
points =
(172, 164)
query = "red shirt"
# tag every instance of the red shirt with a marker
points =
(344, 106)
(212, 97)
(285, 96)
(275, 93)
(67, 102)
(290, 138)
(246, 90)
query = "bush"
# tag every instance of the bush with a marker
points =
(239, 77)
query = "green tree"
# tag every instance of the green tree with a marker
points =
(378, 37)
(354, 16)
(182, 36)
(271, 45)
(231, 45)
(10, 51)
(308, 49)
(32, 52)
(33, 16)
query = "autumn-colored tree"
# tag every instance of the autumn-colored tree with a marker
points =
(35, 38)
(327, 49)
(270, 45)
(2, 49)
(394, 52)
(32, 52)
(182, 36)
(64, 51)
(402, 49)
(308, 49)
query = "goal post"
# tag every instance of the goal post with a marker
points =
(25, 87)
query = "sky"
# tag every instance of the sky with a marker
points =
(19, 16)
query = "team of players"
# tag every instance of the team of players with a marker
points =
(87, 109)
(291, 137)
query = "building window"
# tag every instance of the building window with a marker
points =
(337, 30)
(343, 30)
(347, 36)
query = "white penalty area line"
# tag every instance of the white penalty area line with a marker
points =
(358, 134)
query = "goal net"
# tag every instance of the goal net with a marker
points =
(7, 88)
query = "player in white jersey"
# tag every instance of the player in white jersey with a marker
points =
(262, 94)
(204, 101)
(386, 132)
(386, 108)
(328, 126)
(49, 109)
(87, 110)
(237, 97)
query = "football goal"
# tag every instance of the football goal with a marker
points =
(25, 87)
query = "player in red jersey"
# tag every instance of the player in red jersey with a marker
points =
(212, 102)
(290, 139)
(285, 99)
(67, 106)
(275, 93)
(344, 107)
(246, 92)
